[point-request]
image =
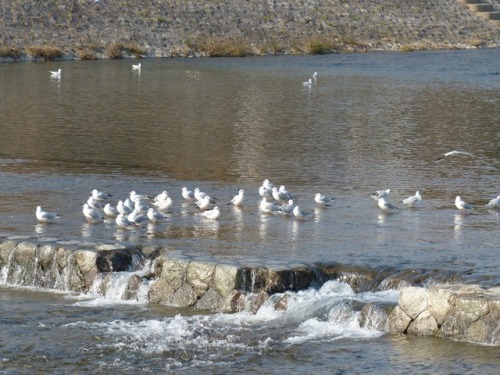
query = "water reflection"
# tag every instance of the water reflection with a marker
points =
(41, 229)
(225, 124)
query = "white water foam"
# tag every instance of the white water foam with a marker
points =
(323, 314)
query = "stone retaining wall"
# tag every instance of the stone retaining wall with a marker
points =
(458, 312)
(160, 28)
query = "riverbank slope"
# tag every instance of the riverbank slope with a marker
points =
(90, 29)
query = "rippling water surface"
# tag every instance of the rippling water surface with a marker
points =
(369, 122)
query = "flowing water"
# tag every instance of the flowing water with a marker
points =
(369, 122)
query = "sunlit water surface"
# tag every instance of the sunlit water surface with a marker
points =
(368, 122)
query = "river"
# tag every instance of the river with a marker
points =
(368, 122)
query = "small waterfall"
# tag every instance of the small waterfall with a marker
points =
(123, 286)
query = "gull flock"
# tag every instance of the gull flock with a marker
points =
(136, 210)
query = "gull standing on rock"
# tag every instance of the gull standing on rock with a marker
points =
(45, 216)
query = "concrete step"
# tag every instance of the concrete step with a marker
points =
(472, 1)
(480, 7)
(491, 16)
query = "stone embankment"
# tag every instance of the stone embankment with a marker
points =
(89, 29)
(466, 313)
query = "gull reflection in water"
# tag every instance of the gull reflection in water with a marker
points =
(238, 221)
(318, 212)
(459, 222)
(87, 230)
(40, 228)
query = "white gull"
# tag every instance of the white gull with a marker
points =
(413, 200)
(322, 199)
(45, 216)
(212, 214)
(385, 205)
(91, 214)
(462, 205)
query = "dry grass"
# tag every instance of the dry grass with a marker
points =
(13, 53)
(319, 46)
(47, 53)
(226, 47)
(116, 51)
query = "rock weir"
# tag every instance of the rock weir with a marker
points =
(458, 312)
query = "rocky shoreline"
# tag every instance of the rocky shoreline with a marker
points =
(457, 312)
(89, 29)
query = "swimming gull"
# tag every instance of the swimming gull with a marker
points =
(462, 205)
(385, 205)
(45, 216)
(413, 200)
(136, 66)
(212, 214)
(56, 73)
(307, 83)
(322, 199)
